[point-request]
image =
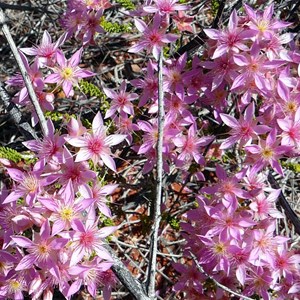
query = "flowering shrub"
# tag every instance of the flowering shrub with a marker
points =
(240, 98)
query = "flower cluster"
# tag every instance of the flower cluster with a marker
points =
(52, 231)
(49, 71)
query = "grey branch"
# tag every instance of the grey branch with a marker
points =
(289, 212)
(24, 127)
(159, 183)
(24, 73)
(126, 278)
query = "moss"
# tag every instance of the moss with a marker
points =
(215, 4)
(127, 4)
(114, 27)
(295, 167)
(10, 154)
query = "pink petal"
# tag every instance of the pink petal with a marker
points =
(109, 162)
(22, 241)
(75, 59)
(26, 262)
(83, 155)
(140, 25)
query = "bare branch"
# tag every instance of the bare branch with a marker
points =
(159, 183)
(24, 73)
(291, 215)
(126, 278)
(25, 128)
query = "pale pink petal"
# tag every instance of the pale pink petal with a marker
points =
(22, 241)
(212, 33)
(75, 59)
(67, 87)
(26, 262)
(83, 155)
(114, 139)
(109, 162)
(140, 25)
(97, 124)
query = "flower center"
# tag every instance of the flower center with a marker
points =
(67, 73)
(219, 248)
(154, 38)
(66, 213)
(95, 146)
(14, 286)
(267, 153)
(263, 25)
(30, 183)
(87, 239)
(291, 107)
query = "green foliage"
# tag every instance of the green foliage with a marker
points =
(295, 167)
(10, 154)
(214, 7)
(127, 4)
(56, 116)
(174, 223)
(90, 89)
(115, 27)
(108, 222)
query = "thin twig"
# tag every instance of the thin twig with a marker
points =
(289, 212)
(26, 130)
(25, 8)
(225, 288)
(159, 183)
(24, 73)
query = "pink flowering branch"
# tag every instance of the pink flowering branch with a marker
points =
(24, 73)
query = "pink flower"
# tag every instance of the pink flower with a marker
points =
(50, 149)
(258, 282)
(153, 38)
(90, 274)
(183, 22)
(227, 188)
(173, 80)
(244, 129)
(165, 7)
(75, 127)
(35, 76)
(285, 263)
(121, 102)
(263, 206)
(98, 193)
(88, 239)
(290, 135)
(30, 184)
(231, 39)
(65, 210)
(78, 172)
(42, 251)
(92, 26)
(254, 66)
(148, 83)
(46, 51)
(96, 145)
(189, 146)
(267, 152)
(67, 73)
(125, 126)
(262, 23)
